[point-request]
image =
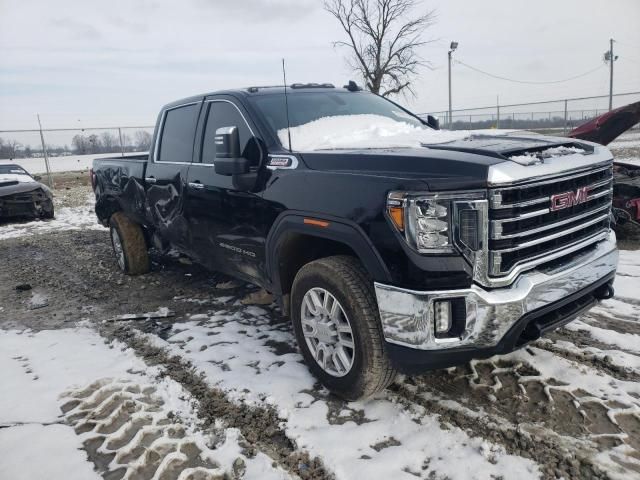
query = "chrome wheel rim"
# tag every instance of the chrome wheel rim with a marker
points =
(117, 248)
(327, 332)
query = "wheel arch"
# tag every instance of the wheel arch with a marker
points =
(293, 242)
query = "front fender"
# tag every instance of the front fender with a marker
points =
(335, 229)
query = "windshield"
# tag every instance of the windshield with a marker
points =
(14, 169)
(305, 107)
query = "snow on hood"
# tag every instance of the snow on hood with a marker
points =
(15, 177)
(528, 158)
(368, 131)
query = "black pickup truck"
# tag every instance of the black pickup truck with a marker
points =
(391, 245)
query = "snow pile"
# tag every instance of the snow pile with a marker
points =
(533, 157)
(367, 131)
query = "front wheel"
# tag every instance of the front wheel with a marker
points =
(335, 318)
(129, 245)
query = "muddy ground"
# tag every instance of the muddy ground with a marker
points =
(57, 279)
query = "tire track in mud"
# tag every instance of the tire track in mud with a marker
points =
(511, 403)
(260, 427)
(128, 435)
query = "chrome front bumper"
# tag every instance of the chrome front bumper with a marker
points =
(407, 315)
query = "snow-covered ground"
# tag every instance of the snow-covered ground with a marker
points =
(66, 218)
(67, 396)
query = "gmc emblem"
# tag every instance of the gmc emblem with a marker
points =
(569, 199)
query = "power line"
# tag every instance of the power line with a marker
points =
(528, 81)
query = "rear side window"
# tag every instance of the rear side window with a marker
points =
(225, 114)
(176, 143)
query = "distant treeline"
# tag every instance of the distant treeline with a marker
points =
(508, 121)
(81, 144)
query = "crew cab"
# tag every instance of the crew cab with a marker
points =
(392, 245)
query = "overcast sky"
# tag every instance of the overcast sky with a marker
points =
(115, 62)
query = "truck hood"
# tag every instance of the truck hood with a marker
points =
(476, 161)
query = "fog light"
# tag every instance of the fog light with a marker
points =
(442, 316)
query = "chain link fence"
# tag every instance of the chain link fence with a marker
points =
(60, 142)
(554, 115)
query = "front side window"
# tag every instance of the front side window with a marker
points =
(224, 114)
(176, 144)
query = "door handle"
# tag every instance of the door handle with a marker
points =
(197, 185)
(150, 179)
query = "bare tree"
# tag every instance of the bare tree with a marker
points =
(143, 140)
(10, 148)
(383, 37)
(79, 143)
(109, 142)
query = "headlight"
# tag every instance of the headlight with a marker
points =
(439, 222)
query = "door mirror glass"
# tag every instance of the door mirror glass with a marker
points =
(433, 122)
(228, 157)
(227, 141)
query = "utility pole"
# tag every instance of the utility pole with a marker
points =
(44, 152)
(610, 57)
(452, 48)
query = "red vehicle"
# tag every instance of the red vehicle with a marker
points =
(626, 187)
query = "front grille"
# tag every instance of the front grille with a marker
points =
(523, 228)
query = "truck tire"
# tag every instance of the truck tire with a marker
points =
(129, 245)
(337, 326)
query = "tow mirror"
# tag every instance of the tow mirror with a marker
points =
(433, 122)
(228, 157)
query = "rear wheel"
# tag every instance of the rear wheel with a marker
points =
(129, 245)
(335, 318)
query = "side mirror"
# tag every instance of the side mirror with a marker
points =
(228, 160)
(433, 122)
(37, 178)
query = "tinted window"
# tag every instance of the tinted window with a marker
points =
(224, 114)
(176, 144)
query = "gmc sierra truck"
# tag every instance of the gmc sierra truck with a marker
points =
(392, 245)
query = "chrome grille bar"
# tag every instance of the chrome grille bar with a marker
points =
(495, 195)
(565, 232)
(496, 231)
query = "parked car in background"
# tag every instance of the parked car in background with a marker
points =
(392, 245)
(22, 195)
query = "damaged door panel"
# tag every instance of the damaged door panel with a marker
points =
(166, 175)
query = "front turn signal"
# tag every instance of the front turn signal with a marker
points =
(395, 209)
(397, 217)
